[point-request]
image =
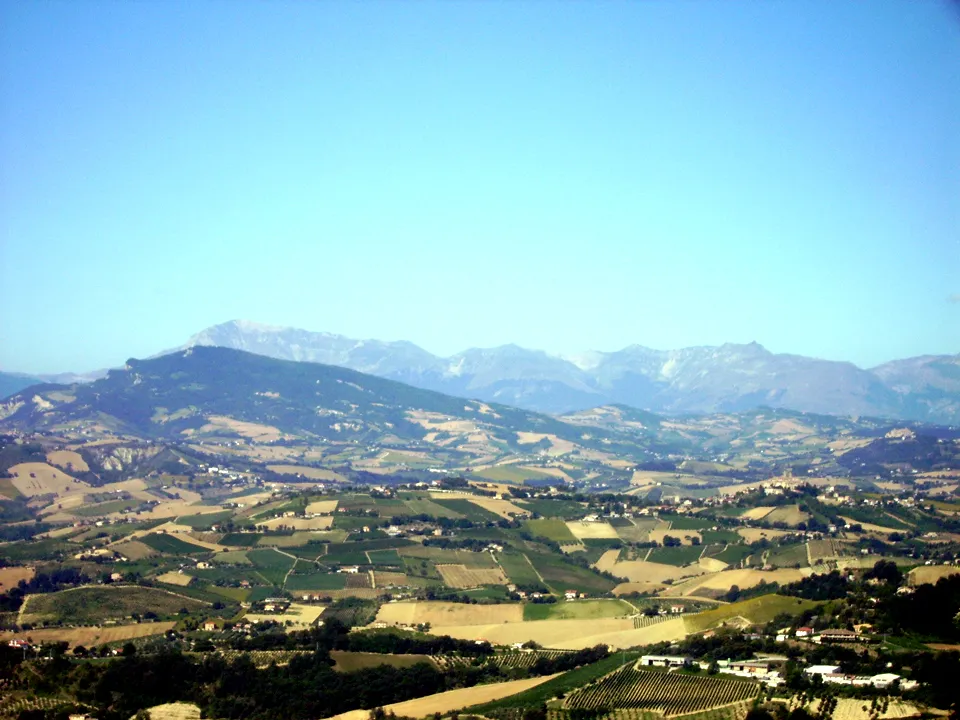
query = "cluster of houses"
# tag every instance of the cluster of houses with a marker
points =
(767, 669)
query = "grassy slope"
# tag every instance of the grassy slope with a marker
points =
(757, 610)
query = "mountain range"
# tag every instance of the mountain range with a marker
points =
(693, 380)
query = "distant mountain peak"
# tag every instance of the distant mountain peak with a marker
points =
(700, 379)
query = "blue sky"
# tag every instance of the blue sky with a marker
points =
(565, 176)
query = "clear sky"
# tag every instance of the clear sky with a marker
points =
(562, 175)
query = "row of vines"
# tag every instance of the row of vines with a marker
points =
(668, 693)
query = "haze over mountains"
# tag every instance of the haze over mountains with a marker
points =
(705, 379)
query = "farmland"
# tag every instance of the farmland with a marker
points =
(668, 693)
(577, 610)
(91, 636)
(94, 604)
(552, 529)
(756, 610)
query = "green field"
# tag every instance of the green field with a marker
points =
(576, 610)
(788, 556)
(687, 522)
(385, 557)
(467, 509)
(757, 610)
(552, 529)
(566, 509)
(315, 581)
(240, 539)
(351, 661)
(679, 555)
(561, 576)
(734, 554)
(511, 474)
(272, 565)
(425, 506)
(518, 569)
(720, 537)
(201, 522)
(161, 542)
(95, 604)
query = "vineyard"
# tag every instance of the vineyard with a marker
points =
(642, 621)
(523, 659)
(670, 693)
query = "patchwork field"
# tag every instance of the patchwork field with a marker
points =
(307, 472)
(552, 529)
(503, 508)
(789, 514)
(460, 576)
(752, 535)
(91, 636)
(441, 614)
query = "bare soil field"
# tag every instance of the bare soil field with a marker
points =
(607, 561)
(35, 478)
(68, 460)
(323, 507)
(790, 514)
(175, 578)
(10, 576)
(686, 536)
(460, 576)
(870, 527)
(599, 530)
(451, 700)
(300, 616)
(712, 565)
(441, 614)
(638, 587)
(928, 573)
(254, 431)
(757, 513)
(91, 636)
(324, 522)
(650, 572)
(726, 579)
(503, 508)
(383, 579)
(570, 634)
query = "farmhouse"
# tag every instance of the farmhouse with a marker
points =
(804, 632)
(823, 670)
(664, 660)
(840, 635)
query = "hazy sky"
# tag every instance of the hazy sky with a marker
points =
(562, 175)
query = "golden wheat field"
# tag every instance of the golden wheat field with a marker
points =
(931, 573)
(442, 614)
(10, 576)
(726, 579)
(35, 478)
(451, 700)
(68, 460)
